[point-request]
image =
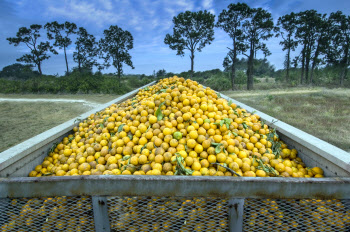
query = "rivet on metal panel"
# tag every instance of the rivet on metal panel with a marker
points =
(235, 217)
(101, 218)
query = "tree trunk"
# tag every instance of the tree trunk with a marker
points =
(307, 64)
(79, 59)
(192, 62)
(344, 67)
(250, 79)
(65, 56)
(314, 62)
(341, 76)
(288, 65)
(233, 67)
(302, 65)
(39, 68)
(343, 73)
(233, 75)
(119, 74)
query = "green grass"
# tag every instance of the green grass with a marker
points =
(96, 98)
(20, 121)
(324, 113)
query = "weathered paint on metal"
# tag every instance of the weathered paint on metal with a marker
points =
(101, 217)
(235, 217)
(226, 187)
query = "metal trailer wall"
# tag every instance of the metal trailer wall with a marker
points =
(163, 203)
(174, 203)
(22, 158)
(313, 151)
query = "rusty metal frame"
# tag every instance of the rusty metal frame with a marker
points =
(205, 186)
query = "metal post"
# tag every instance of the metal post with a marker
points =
(101, 218)
(235, 215)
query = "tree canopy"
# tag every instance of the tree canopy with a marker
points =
(310, 41)
(161, 73)
(289, 25)
(61, 32)
(192, 31)
(310, 31)
(114, 48)
(230, 21)
(38, 50)
(86, 50)
(18, 71)
(256, 29)
(338, 50)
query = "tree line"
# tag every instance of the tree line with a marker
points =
(321, 39)
(112, 48)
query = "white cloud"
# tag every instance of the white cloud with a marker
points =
(186, 5)
(155, 23)
(167, 25)
(85, 11)
(171, 11)
(134, 20)
(207, 4)
(107, 4)
(138, 28)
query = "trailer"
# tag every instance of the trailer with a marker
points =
(174, 203)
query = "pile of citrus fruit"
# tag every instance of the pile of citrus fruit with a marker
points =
(176, 127)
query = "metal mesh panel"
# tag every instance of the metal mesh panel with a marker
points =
(46, 214)
(168, 214)
(296, 215)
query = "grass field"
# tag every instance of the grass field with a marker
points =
(96, 98)
(22, 120)
(324, 113)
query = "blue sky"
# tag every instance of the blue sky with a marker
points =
(148, 21)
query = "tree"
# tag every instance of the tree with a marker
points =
(38, 51)
(338, 52)
(289, 24)
(263, 68)
(61, 32)
(192, 31)
(322, 37)
(230, 21)
(161, 73)
(19, 71)
(170, 74)
(257, 28)
(227, 64)
(86, 50)
(308, 32)
(115, 47)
